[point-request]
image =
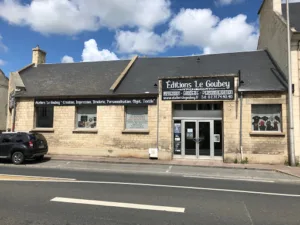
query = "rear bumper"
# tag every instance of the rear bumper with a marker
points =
(35, 153)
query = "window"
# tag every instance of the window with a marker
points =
(201, 106)
(44, 116)
(266, 118)
(86, 117)
(136, 118)
(189, 107)
(6, 138)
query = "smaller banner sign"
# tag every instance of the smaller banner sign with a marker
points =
(213, 88)
(71, 102)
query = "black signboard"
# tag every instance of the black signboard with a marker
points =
(213, 88)
(71, 102)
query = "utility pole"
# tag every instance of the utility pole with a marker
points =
(292, 158)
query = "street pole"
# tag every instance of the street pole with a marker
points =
(292, 159)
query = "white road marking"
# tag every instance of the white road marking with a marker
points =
(229, 178)
(248, 214)
(165, 186)
(53, 178)
(169, 169)
(68, 163)
(119, 204)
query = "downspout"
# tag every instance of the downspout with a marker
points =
(14, 113)
(241, 125)
(157, 124)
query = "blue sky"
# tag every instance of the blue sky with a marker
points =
(94, 30)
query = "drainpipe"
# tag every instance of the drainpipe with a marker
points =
(14, 113)
(157, 125)
(292, 158)
(241, 125)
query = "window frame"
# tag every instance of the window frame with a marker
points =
(125, 119)
(76, 117)
(36, 109)
(280, 128)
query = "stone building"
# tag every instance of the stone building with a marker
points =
(273, 37)
(192, 107)
(226, 107)
(3, 100)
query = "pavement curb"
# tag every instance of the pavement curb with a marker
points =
(159, 163)
(287, 173)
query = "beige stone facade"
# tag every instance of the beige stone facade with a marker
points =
(273, 37)
(109, 139)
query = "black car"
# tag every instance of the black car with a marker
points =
(19, 146)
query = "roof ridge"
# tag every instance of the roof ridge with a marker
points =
(119, 60)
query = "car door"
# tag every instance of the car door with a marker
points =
(6, 144)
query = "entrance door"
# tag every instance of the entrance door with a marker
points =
(190, 135)
(197, 137)
(204, 138)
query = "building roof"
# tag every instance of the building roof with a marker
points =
(294, 14)
(71, 79)
(258, 73)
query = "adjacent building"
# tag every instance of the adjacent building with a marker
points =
(273, 36)
(3, 100)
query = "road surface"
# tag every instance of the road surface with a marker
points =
(52, 196)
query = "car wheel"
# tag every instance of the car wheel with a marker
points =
(40, 158)
(17, 158)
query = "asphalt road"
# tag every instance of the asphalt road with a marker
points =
(111, 198)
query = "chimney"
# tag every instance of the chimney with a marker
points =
(38, 56)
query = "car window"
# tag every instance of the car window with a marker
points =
(5, 138)
(21, 138)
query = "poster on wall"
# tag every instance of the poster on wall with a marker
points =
(177, 128)
(266, 118)
(217, 138)
(190, 133)
(177, 147)
(206, 88)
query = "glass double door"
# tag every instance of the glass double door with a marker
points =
(197, 138)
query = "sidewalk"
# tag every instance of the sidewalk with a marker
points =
(293, 171)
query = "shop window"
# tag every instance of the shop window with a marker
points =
(189, 107)
(86, 116)
(205, 106)
(44, 117)
(136, 118)
(266, 118)
(177, 106)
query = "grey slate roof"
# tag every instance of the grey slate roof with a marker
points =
(95, 78)
(257, 71)
(294, 14)
(72, 79)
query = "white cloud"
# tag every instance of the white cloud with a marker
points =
(227, 2)
(291, 1)
(215, 35)
(74, 16)
(143, 41)
(193, 27)
(67, 59)
(2, 46)
(92, 53)
(2, 62)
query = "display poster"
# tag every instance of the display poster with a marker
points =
(177, 128)
(190, 133)
(216, 138)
